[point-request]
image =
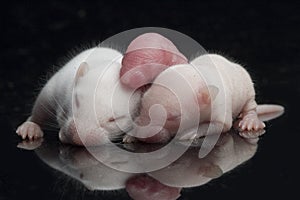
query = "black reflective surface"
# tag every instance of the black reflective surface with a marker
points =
(264, 36)
(77, 163)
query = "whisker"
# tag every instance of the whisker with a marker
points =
(58, 104)
(48, 111)
(50, 129)
(49, 124)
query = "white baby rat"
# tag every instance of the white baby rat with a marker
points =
(79, 97)
(223, 92)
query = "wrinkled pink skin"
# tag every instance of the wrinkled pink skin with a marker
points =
(144, 187)
(146, 57)
(150, 54)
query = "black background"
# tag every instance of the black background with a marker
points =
(36, 36)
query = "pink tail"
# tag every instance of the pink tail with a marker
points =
(267, 112)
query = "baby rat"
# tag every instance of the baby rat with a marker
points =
(79, 98)
(222, 91)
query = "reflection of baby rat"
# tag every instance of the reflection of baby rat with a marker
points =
(69, 96)
(165, 183)
(229, 152)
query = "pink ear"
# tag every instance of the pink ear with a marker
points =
(207, 95)
(81, 71)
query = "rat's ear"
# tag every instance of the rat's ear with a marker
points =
(207, 95)
(81, 71)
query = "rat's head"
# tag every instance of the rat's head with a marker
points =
(186, 99)
(100, 106)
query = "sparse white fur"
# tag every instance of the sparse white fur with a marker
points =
(81, 93)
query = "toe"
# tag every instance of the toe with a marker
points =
(259, 125)
(18, 130)
(256, 127)
(242, 125)
(250, 123)
(24, 132)
(31, 130)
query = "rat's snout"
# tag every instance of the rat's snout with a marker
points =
(156, 125)
(154, 134)
(148, 131)
(116, 125)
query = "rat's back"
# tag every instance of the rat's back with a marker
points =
(229, 77)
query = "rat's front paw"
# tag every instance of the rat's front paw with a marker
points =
(30, 130)
(250, 127)
(129, 139)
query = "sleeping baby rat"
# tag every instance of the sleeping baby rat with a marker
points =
(79, 96)
(221, 92)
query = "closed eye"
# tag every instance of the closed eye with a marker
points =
(174, 117)
(116, 118)
(111, 119)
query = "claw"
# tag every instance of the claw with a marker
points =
(243, 126)
(256, 127)
(240, 123)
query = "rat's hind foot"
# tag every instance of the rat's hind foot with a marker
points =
(250, 126)
(30, 130)
(250, 122)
